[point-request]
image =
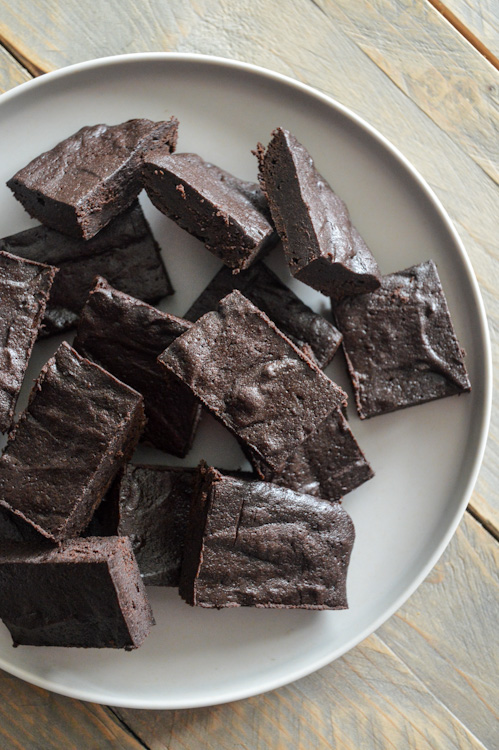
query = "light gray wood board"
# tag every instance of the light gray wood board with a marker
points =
(11, 72)
(403, 687)
(481, 17)
(34, 719)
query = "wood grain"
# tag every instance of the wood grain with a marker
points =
(481, 18)
(11, 72)
(442, 119)
(401, 688)
(34, 719)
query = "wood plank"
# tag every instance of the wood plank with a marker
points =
(32, 719)
(11, 73)
(442, 638)
(481, 19)
(367, 699)
(325, 48)
(447, 632)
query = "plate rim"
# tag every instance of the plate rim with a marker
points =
(298, 673)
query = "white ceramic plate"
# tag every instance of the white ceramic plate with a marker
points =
(426, 458)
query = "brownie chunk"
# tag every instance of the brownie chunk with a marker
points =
(126, 337)
(253, 379)
(124, 252)
(254, 544)
(24, 290)
(229, 215)
(322, 247)
(89, 178)
(86, 593)
(311, 332)
(399, 343)
(150, 505)
(329, 464)
(80, 426)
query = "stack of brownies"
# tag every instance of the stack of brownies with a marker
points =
(82, 529)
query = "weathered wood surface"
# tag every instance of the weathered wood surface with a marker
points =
(11, 72)
(480, 17)
(442, 111)
(428, 678)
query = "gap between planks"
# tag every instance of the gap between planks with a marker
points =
(464, 31)
(29, 66)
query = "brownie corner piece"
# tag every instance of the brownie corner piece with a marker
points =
(24, 291)
(84, 593)
(322, 247)
(255, 544)
(90, 177)
(229, 215)
(400, 344)
(252, 378)
(80, 426)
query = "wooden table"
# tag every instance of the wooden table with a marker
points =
(425, 74)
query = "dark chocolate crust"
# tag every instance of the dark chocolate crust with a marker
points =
(310, 331)
(124, 252)
(328, 465)
(126, 337)
(400, 344)
(24, 290)
(80, 426)
(322, 247)
(84, 593)
(152, 508)
(253, 379)
(89, 178)
(229, 215)
(256, 544)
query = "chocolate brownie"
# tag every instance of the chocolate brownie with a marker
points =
(124, 252)
(80, 426)
(89, 178)
(126, 337)
(24, 290)
(150, 505)
(329, 464)
(399, 343)
(84, 593)
(256, 544)
(253, 379)
(322, 247)
(229, 215)
(311, 332)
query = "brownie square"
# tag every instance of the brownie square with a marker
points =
(24, 290)
(322, 247)
(89, 178)
(80, 426)
(229, 215)
(126, 337)
(329, 464)
(400, 344)
(84, 593)
(310, 331)
(124, 252)
(256, 544)
(150, 505)
(253, 379)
